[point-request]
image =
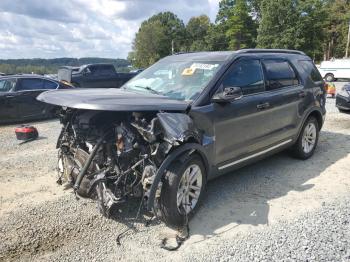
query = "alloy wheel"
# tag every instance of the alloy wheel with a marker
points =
(309, 138)
(189, 189)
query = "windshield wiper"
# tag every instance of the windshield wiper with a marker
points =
(150, 89)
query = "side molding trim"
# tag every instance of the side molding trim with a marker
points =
(255, 155)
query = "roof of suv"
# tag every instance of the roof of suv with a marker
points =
(225, 55)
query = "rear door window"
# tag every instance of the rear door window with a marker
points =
(311, 70)
(246, 74)
(27, 84)
(279, 74)
(106, 70)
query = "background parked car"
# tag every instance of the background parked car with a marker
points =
(334, 69)
(342, 100)
(94, 76)
(18, 97)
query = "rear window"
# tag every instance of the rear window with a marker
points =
(279, 74)
(311, 70)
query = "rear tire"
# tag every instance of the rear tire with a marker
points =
(306, 144)
(183, 187)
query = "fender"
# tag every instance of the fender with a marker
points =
(188, 147)
(311, 111)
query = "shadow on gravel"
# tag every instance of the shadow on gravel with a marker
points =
(241, 198)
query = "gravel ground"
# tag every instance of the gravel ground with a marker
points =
(277, 209)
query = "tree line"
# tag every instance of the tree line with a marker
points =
(50, 66)
(317, 27)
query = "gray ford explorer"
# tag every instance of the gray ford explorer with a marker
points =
(183, 121)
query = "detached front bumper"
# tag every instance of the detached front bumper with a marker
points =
(342, 102)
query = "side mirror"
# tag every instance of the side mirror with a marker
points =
(228, 94)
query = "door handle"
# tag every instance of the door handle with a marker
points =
(263, 106)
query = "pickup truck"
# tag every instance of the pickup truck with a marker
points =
(93, 76)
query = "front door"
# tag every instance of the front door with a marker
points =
(240, 126)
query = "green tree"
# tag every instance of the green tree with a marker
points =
(225, 7)
(336, 28)
(216, 38)
(174, 29)
(155, 39)
(309, 24)
(235, 20)
(150, 44)
(196, 30)
(241, 28)
(277, 25)
(292, 25)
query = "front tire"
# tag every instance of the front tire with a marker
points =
(306, 144)
(182, 190)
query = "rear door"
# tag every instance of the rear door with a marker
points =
(26, 92)
(284, 98)
(91, 77)
(108, 76)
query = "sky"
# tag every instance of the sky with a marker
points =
(83, 28)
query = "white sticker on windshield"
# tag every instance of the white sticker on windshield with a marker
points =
(203, 66)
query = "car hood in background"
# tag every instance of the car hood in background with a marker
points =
(111, 100)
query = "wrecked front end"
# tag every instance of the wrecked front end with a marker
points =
(113, 156)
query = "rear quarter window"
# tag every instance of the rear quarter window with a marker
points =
(310, 70)
(50, 84)
(279, 74)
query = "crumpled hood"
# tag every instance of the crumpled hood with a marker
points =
(111, 100)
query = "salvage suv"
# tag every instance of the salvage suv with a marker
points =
(183, 121)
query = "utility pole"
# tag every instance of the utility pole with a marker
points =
(347, 43)
(172, 46)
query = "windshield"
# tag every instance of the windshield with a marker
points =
(181, 80)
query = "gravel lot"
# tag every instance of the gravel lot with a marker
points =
(277, 209)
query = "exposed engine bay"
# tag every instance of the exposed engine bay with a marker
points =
(111, 156)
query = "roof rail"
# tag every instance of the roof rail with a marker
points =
(285, 51)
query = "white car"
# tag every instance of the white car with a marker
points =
(336, 68)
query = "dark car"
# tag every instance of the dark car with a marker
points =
(342, 100)
(18, 97)
(185, 120)
(94, 76)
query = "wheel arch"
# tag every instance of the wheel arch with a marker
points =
(315, 113)
(179, 152)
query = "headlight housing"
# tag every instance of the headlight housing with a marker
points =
(345, 91)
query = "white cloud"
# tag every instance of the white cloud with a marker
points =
(80, 28)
